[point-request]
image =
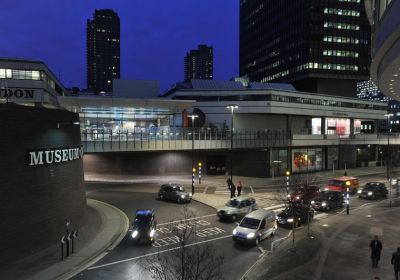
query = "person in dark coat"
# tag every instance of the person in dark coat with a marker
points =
(376, 248)
(229, 183)
(396, 263)
(233, 189)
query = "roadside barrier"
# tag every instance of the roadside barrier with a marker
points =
(67, 240)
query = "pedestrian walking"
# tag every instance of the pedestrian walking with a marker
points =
(396, 263)
(376, 248)
(239, 188)
(233, 189)
(229, 183)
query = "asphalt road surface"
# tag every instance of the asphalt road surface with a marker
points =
(127, 260)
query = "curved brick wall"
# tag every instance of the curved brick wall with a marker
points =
(35, 200)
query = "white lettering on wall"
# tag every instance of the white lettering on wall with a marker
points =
(55, 156)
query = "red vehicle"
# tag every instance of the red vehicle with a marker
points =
(304, 194)
(341, 184)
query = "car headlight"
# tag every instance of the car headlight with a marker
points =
(312, 201)
(234, 232)
(323, 204)
(250, 235)
(369, 193)
(297, 197)
(190, 194)
(152, 233)
(288, 195)
(290, 220)
(182, 196)
(135, 234)
(359, 191)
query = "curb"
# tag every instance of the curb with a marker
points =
(71, 267)
(110, 245)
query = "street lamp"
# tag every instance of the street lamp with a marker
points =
(348, 183)
(193, 116)
(232, 107)
(387, 156)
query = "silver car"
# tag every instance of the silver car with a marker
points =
(255, 227)
(237, 207)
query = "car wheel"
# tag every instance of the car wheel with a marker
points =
(161, 197)
(234, 218)
(257, 241)
(179, 200)
(373, 197)
(328, 209)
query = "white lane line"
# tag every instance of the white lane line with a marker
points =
(251, 188)
(274, 206)
(158, 252)
(179, 221)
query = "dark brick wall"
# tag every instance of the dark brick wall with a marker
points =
(246, 163)
(36, 200)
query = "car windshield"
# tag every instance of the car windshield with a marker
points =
(178, 188)
(142, 221)
(325, 195)
(336, 183)
(300, 190)
(232, 203)
(250, 223)
(370, 186)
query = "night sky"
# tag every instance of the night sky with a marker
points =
(155, 35)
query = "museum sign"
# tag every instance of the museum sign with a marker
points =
(55, 156)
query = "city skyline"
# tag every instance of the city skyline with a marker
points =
(62, 43)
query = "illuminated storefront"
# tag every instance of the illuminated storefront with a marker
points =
(307, 159)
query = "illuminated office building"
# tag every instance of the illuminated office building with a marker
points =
(103, 50)
(199, 63)
(318, 46)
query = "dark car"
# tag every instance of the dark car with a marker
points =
(174, 192)
(328, 200)
(295, 213)
(304, 194)
(373, 191)
(144, 226)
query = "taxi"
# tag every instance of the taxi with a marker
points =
(144, 226)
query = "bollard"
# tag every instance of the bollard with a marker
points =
(67, 244)
(62, 246)
(74, 234)
(348, 209)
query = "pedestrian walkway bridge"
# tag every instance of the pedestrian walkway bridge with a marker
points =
(207, 139)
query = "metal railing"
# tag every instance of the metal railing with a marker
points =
(180, 139)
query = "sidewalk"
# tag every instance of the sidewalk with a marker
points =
(104, 228)
(339, 248)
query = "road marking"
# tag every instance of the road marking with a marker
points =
(179, 221)
(174, 239)
(274, 206)
(159, 252)
(251, 188)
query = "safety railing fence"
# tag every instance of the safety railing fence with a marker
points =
(97, 141)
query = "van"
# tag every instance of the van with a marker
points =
(255, 227)
(341, 184)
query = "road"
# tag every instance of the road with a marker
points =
(127, 260)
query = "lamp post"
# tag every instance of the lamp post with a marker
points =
(232, 107)
(347, 197)
(193, 116)
(388, 115)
